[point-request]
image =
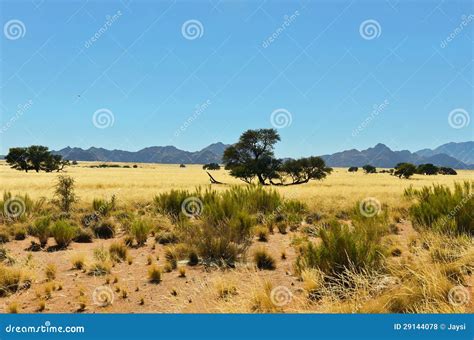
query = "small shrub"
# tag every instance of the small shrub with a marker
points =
(50, 271)
(41, 229)
(41, 306)
(166, 237)
(83, 236)
(444, 210)
(13, 308)
(20, 234)
(4, 237)
(64, 192)
(264, 260)
(154, 274)
(10, 280)
(140, 230)
(63, 233)
(342, 247)
(193, 258)
(262, 233)
(182, 271)
(78, 261)
(104, 230)
(118, 251)
(99, 269)
(225, 289)
(281, 226)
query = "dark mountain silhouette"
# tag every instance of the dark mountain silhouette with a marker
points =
(461, 151)
(155, 154)
(383, 157)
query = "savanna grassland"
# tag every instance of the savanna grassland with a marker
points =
(353, 242)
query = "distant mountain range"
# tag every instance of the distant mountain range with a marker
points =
(454, 155)
(154, 154)
(383, 157)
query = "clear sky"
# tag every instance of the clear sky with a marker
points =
(130, 74)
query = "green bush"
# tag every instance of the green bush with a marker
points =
(169, 204)
(63, 233)
(343, 247)
(83, 236)
(41, 229)
(10, 280)
(444, 210)
(140, 230)
(103, 207)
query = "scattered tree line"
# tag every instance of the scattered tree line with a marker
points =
(252, 157)
(406, 170)
(35, 157)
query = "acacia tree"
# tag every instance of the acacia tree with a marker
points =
(405, 170)
(252, 157)
(35, 157)
(369, 169)
(427, 169)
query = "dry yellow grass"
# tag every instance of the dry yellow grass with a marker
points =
(340, 190)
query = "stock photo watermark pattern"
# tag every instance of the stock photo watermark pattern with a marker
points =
(103, 296)
(281, 118)
(14, 29)
(370, 29)
(103, 118)
(192, 207)
(370, 207)
(14, 207)
(281, 296)
(192, 29)
(459, 118)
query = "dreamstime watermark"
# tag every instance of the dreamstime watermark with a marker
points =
(110, 20)
(288, 20)
(465, 21)
(441, 223)
(14, 207)
(377, 109)
(46, 328)
(369, 207)
(459, 296)
(370, 29)
(103, 296)
(192, 29)
(459, 118)
(103, 118)
(14, 29)
(197, 112)
(192, 206)
(281, 296)
(21, 109)
(281, 118)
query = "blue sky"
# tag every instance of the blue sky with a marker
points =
(152, 82)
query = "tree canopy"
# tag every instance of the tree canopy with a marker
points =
(369, 169)
(253, 157)
(35, 157)
(405, 170)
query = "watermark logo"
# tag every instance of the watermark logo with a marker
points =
(288, 20)
(377, 109)
(197, 112)
(459, 296)
(281, 118)
(103, 296)
(192, 29)
(459, 118)
(21, 109)
(14, 207)
(370, 29)
(369, 207)
(103, 118)
(465, 20)
(109, 21)
(192, 207)
(281, 296)
(14, 29)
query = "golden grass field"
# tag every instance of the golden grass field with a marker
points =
(340, 190)
(416, 277)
